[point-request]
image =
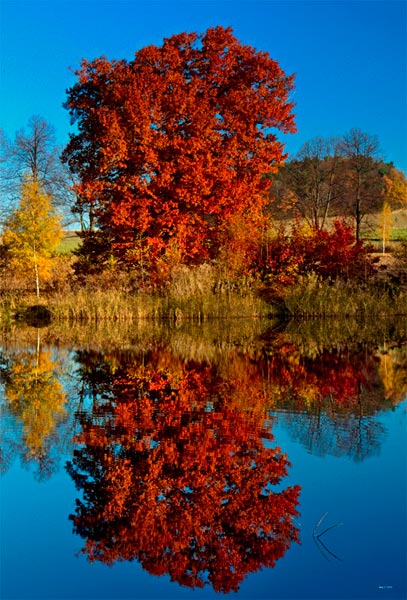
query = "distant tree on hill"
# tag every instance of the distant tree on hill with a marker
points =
(395, 188)
(338, 177)
(361, 178)
(307, 184)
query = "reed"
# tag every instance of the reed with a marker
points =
(8, 305)
(201, 294)
(86, 305)
(90, 305)
(312, 297)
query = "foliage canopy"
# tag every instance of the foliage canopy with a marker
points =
(32, 232)
(172, 146)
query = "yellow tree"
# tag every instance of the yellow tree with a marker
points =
(32, 233)
(395, 188)
(385, 225)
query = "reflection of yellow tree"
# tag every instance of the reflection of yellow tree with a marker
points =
(36, 398)
(393, 373)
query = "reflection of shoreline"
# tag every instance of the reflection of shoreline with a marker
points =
(211, 339)
(314, 335)
(331, 392)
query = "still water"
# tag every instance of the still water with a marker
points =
(248, 460)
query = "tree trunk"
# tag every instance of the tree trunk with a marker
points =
(384, 239)
(37, 280)
(329, 198)
(358, 212)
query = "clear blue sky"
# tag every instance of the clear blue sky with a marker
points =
(349, 56)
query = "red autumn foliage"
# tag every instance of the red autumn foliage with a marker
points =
(176, 474)
(172, 146)
(330, 254)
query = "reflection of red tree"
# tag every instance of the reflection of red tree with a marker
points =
(336, 377)
(176, 475)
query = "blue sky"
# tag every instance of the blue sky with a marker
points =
(349, 56)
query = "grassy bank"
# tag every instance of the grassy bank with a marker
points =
(89, 305)
(309, 297)
(312, 297)
(99, 305)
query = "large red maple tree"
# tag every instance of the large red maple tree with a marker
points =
(172, 146)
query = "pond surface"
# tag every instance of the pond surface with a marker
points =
(247, 461)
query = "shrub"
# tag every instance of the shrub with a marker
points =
(331, 254)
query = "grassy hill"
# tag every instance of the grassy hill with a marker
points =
(69, 242)
(370, 230)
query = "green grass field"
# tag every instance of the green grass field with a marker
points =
(69, 242)
(369, 231)
(399, 234)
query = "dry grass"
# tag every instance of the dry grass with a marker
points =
(312, 297)
(202, 293)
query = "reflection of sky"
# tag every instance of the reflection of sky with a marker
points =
(338, 435)
(368, 497)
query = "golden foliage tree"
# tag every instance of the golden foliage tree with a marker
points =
(385, 225)
(395, 188)
(32, 233)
